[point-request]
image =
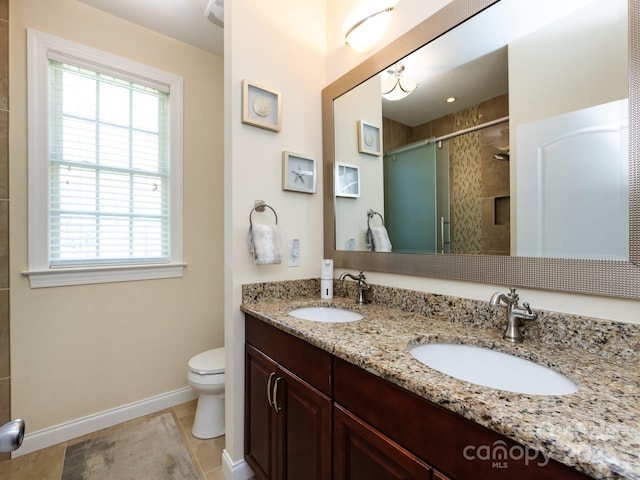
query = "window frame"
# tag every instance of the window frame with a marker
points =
(40, 273)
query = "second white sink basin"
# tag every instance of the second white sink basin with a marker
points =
(493, 369)
(326, 314)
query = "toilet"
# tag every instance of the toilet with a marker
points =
(206, 377)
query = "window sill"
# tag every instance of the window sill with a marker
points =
(61, 277)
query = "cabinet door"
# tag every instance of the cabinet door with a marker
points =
(362, 453)
(260, 428)
(304, 429)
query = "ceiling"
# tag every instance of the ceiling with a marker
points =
(184, 20)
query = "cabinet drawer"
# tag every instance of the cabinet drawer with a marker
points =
(440, 437)
(308, 362)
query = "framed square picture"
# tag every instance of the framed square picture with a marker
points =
(347, 180)
(261, 106)
(298, 173)
(369, 139)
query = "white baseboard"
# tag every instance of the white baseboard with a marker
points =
(235, 470)
(75, 428)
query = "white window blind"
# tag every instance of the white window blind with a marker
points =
(109, 185)
(105, 166)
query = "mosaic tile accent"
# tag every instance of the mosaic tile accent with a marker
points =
(466, 185)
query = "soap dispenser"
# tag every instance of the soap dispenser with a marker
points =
(326, 278)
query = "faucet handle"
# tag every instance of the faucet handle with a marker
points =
(531, 315)
(513, 294)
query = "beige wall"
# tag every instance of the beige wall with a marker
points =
(361, 103)
(596, 74)
(279, 44)
(85, 349)
(5, 372)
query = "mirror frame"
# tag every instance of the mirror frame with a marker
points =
(597, 277)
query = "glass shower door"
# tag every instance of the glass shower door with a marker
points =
(411, 199)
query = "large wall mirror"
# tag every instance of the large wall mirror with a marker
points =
(513, 162)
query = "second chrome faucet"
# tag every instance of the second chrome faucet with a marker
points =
(362, 285)
(515, 314)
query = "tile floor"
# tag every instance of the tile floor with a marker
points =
(46, 464)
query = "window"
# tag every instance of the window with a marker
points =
(105, 168)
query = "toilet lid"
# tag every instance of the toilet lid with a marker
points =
(209, 362)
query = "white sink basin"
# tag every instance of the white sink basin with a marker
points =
(326, 314)
(493, 369)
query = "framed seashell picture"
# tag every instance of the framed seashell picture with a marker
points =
(369, 139)
(261, 106)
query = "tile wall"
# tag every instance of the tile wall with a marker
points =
(5, 401)
(479, 190)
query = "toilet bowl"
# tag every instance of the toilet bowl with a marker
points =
(206, 377)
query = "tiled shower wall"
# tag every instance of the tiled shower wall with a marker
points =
(5, 403)
(479, 190)
(465, 172)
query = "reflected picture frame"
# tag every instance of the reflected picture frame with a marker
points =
(261, 106)
(369, 139)
(347, 180)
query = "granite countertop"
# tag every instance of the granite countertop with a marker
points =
(596, 430)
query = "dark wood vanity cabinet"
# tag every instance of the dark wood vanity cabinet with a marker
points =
(287, 406)
(440, 476)
(457, 447)
(309, 416)
(362, 453)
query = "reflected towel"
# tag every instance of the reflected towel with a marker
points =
(264, 244)
(380, 239)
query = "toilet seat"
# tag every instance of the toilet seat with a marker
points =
(210, 362)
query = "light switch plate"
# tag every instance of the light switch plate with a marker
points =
(294, 253)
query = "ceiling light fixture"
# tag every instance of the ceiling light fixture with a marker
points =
(365, 27)
(451, 99)
(397, 87)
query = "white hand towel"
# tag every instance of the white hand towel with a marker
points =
(264, 244)
(380, 237)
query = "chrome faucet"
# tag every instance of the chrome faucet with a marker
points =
(362, 285)
(514, 314)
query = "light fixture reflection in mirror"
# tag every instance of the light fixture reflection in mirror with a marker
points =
(397, 86)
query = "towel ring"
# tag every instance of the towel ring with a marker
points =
(259, 207)
(370, 214)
